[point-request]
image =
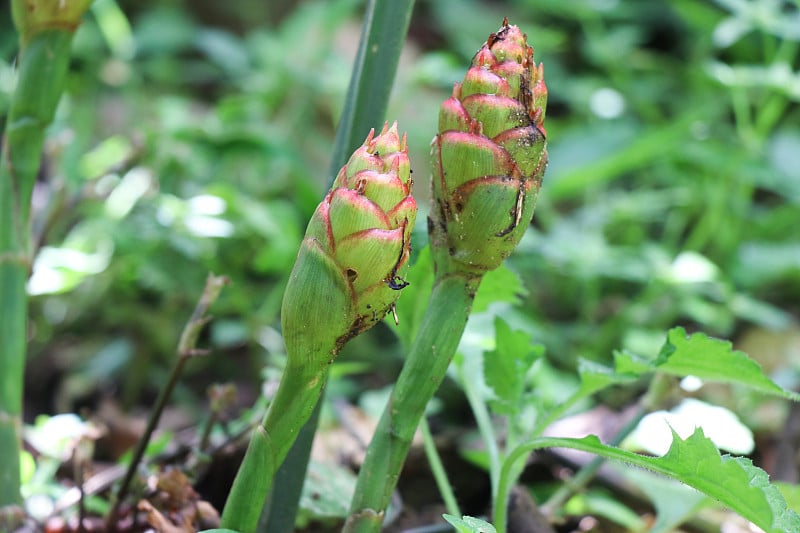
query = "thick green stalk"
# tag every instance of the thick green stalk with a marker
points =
(280, 512)
(297, 394)
(43, 64)
(423, 372)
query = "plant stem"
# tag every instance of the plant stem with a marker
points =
(186, 350)
(507, 477)
(659, 387)
(586, 473)
(382, 37)
(439, 473)
(281, 509)
(484, 421)
(428, 359)
(43, 65)
(294, 401)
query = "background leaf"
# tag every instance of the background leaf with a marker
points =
(506, 367)
(733, 481)
(711, 359)
(469, 524)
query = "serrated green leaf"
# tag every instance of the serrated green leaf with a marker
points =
(733, 481)
(505, 368)
(714, 360)
(704, 357)
(674, 502)
(469, 524)
(791, 493)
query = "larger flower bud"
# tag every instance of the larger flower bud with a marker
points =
(490, 154)
(350, 267)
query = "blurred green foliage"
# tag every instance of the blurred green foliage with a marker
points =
(195, 136)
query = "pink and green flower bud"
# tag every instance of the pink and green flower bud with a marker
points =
(351, 264)
(490, 154)
(34, 16)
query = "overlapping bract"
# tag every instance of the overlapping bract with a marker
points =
(490, 154)
(33, 16)
(355, 251)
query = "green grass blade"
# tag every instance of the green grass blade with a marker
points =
(382, 38)
(423, 371)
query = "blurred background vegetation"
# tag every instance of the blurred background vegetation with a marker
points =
(196, 137)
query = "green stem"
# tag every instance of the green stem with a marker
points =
(439, 473)
(297, 395)
(484, 421)
(186, 350)
(43, 66)
(587, 473)
(508, 474)
(383, 35)
(281, 510)
(428, 359)
(659, 388)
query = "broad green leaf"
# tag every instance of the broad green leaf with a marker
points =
(674, 502)
(479, 458)
(733, 481)
(469, 524)
(505, 368)
(714, 360)
(791, 493)
(704, 357)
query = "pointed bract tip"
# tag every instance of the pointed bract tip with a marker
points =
(476, 127)
(505, 22)
(485, 57)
